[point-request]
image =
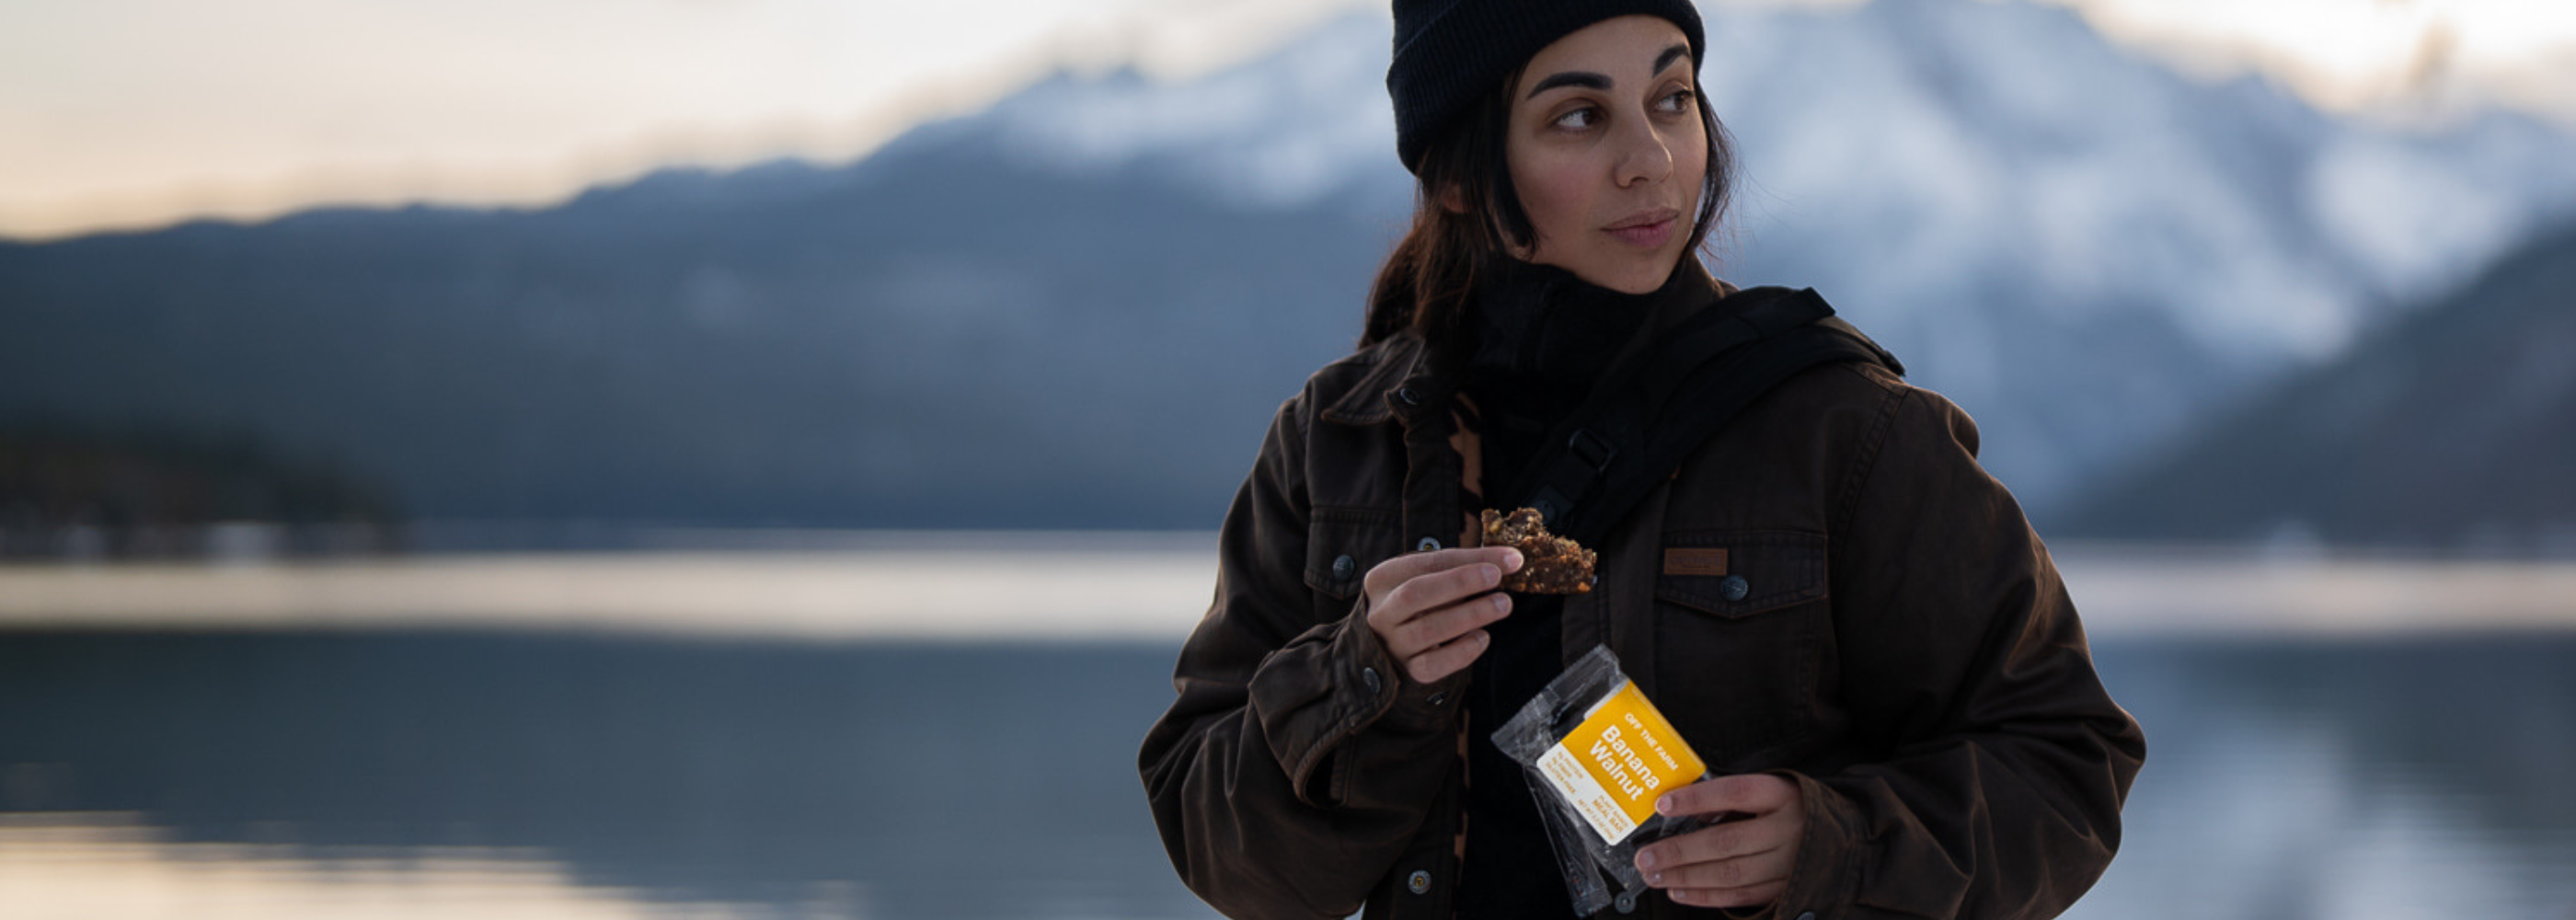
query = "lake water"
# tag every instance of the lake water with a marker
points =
(292, 771)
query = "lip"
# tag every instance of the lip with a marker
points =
(1648, 229)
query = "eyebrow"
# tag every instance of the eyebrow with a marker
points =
(1590, 80)
(1582, 78)
(1670, 54)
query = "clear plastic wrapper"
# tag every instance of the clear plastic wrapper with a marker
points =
(1598, 755)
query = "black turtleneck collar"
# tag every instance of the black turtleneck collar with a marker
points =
(1539, 336)
(1534, 320)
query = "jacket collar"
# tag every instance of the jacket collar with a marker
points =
(1399, 382)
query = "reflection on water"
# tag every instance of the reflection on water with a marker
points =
(935, 781)
(2423, 777)
(453, 775)
(102, 866)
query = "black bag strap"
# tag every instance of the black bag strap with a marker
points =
(1641, 422)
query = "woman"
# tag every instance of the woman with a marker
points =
(1838, 609)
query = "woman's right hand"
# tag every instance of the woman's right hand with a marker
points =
(1430, 609)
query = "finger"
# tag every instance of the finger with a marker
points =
(1425, 593)
(1431, 666)
(1775, 831)
(1744, 871)
(1436, 627)
(1758, 793)
(1754, 896)
(1383, 577)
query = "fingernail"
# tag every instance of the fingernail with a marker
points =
(1493, 575)
(1502, 603)
(1646, 863)
(1655, 879)
(1664, 804)
(1512, 558)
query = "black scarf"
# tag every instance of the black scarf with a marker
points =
(1537, 338)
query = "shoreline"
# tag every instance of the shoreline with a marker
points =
(1077, 586)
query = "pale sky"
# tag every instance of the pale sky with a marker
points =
(135, 113)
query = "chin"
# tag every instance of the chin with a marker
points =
(1639, 277)
(1641, 284)
(1624, 272)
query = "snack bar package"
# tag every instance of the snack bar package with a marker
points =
(1598, 755)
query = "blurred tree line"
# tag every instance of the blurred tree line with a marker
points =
(74, 491)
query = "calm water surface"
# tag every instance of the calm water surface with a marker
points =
(426, 774)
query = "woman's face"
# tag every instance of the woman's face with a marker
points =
(1607, 152)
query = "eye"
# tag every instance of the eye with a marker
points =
(1578, 119)
(1678, 101)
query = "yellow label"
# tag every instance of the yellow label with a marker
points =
(1618, 761)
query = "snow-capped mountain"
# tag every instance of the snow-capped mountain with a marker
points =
(2082, 246)
(2447, 429)
(1304, 124)
(1079, 307)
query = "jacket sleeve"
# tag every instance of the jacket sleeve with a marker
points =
(1999, 789)
(1297, 761)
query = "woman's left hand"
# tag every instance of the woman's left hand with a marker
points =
(1741, 861)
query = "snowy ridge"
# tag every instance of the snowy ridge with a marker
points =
(1077, 308)
(1932, 139)
(2083, 246)
(1308, 121)
(2009, 138)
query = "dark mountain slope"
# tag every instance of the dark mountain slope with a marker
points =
(1079, 306)
(2452, 429)
(782, 346)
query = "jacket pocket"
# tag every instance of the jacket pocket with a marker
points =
(1342, 544)
(1737, 646)
(1763, 570)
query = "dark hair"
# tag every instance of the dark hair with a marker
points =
(1426, 282)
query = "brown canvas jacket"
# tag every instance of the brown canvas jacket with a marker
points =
(1899, 645)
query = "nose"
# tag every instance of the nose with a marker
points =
(1644, 157)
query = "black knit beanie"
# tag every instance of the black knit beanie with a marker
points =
(1448, 52)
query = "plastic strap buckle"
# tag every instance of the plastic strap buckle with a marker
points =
(1591, 449)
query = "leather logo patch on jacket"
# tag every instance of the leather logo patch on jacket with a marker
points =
(1691, 560)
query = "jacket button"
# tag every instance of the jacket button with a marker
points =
(1428, 544)
(1343, 567)
(1420, 882)
(1408, 397)
(1439, 697)
(1734, 588)
(1369, 676)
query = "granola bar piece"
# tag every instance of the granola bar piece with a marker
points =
(1550, 564)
